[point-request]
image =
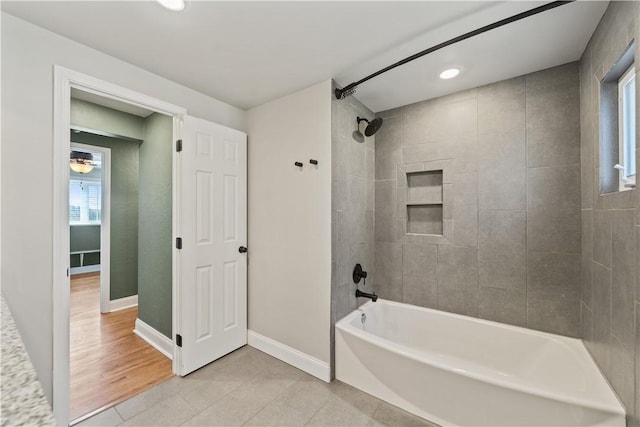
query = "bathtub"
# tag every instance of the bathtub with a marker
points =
(461, 371)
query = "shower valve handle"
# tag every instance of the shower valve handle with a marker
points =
(358, 273)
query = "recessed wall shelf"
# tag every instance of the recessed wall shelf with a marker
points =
(424, 202)
(424, 219)
(424, 186)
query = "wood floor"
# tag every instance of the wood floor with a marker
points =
(109, 363)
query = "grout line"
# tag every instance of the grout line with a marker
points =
(502, 210)
(395, 207)
(477, 184)
(437, 271)
(376, 409)
(554, 252)
(551, 167)
(275, 396)
(318, 410)
(119, 414)
(601, 265)
(526, 212)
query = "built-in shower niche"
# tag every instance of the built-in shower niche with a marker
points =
(424, 202)
(424, 219)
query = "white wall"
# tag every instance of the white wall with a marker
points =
(28, 55)
(290, 220)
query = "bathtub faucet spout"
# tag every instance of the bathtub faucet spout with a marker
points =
(360, 294)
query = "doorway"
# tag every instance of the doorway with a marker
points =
(67, 81)
(90, 215)
(208, 216)
(118, 154)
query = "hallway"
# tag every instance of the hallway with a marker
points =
(109, 363)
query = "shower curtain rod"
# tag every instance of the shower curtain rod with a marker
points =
(351, 88)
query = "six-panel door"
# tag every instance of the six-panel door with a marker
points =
(213, 226)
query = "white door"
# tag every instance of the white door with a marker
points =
(213, 227)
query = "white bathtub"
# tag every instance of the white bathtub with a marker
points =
(457, 370)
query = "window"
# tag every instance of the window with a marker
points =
(627, 129)
(85, 198)
(617, 127)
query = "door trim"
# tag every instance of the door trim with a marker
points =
(64, 80)
(105, 223)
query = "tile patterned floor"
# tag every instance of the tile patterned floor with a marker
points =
(248, 387)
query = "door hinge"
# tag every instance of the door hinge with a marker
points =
(179, 145)
(179, 340)
(178, 242)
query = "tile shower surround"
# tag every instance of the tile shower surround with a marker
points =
(534, 243)
(513, 250)
(352, 206)
(610, 298)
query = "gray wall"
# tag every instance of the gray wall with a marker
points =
(289, 220)
(154, 224)
(124, 211)
(352, 205)
(610, 223)
(512, 215)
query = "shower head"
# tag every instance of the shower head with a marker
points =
(372, 127)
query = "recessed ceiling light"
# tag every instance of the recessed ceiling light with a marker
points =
(175, 5)
(449, 73)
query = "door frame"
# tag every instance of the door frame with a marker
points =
(64, 80)
(105, 222)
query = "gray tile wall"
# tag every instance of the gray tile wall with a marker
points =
(610, 223)
(352, 210)
(515, 252)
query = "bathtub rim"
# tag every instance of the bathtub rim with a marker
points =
(615, 406)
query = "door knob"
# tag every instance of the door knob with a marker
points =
(242, 249)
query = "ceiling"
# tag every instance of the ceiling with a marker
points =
(248, 53)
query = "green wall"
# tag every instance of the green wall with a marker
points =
(154, 224)
(124, 211)
(141, 205)
(84, 238)
(96, 117)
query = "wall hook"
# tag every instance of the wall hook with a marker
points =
(313, 162)
(299, 164)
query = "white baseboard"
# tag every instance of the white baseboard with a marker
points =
(122, 303)
(300, 360)
(84, 269)
(159, 341)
